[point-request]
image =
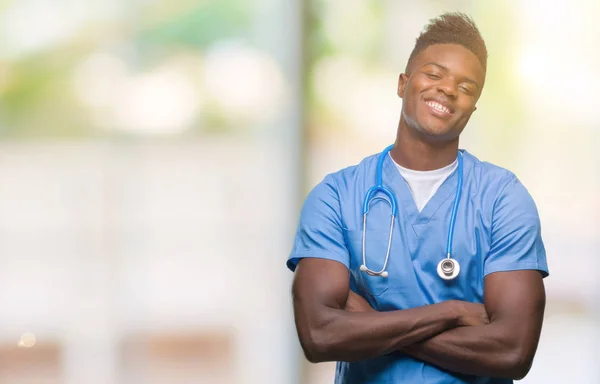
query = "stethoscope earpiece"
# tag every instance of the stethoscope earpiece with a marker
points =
(364, 268)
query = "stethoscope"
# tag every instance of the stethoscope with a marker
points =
(448, 268)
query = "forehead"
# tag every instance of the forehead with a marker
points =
(456, 58)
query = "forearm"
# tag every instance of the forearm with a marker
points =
(346, 336)
(477, 350)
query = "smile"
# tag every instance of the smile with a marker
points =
(437, 107)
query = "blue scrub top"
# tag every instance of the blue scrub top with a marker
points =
(497, 229)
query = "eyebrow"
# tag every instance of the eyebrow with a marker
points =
(467, 79)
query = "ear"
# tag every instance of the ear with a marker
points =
(402, 80)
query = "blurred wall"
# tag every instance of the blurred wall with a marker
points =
(149, 158)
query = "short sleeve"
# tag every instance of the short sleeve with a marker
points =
(319, 233)
(516, 240)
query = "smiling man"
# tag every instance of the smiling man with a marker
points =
(449, 289)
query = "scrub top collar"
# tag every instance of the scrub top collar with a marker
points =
(407, 208)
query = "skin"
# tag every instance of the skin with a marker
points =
(498, 338)
(451, 75)
(505, 347)
(328, 332)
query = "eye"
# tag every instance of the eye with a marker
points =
(466, 90)
(433, 76)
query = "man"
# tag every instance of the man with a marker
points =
(374, 303)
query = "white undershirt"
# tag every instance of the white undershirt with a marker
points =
(424, 184)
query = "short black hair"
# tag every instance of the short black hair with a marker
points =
(451, 28)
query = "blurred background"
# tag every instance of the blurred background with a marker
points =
(154, 155)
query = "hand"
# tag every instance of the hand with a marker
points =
(471, 314)
(356, 303)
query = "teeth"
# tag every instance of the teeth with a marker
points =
(438, 106)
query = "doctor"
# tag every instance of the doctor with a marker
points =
(450, 288)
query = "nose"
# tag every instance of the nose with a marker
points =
(448, 87)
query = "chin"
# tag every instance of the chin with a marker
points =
(438, 133)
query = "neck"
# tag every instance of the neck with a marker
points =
(413, 151)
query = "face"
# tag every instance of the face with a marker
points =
(440, 91)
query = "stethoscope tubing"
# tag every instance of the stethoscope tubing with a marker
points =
(448, 268)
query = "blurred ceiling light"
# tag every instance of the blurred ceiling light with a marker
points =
(27, 340)
(161, 102)
(243, 81)
(164, 101)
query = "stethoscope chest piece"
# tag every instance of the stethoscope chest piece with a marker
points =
(448, 268)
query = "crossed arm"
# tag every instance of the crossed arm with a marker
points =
(498, 340)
